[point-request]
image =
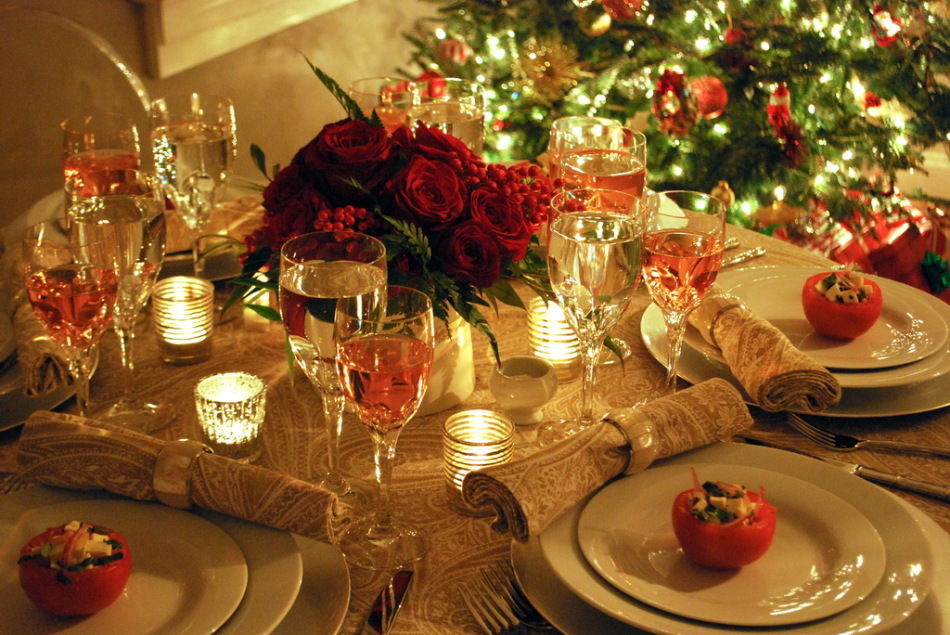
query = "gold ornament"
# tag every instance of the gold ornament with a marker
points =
(778, 213)
(550, 68)
(593, 22)
(724, 193)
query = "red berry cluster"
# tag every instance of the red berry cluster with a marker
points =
(526, 186)
(346, 218)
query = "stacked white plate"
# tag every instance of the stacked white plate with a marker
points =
(192, 573)
(908, 345)
(847, 557)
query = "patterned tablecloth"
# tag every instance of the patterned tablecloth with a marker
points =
(460, 546)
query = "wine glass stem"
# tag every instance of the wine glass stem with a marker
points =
(333, 416)
(125, 335)
(675, 330)
(80, 367)
(590, 353)
(384, 449)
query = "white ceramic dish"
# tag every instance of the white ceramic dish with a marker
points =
(188, 575)
(891, 401)
(910, 327)
(907, 579)
(825, 557)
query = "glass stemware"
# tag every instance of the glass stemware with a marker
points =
(615, 159)
(594, 267)
(566, 133)
(453, 105)
(94, 146)
(384, 355)
(682, 251)
(72, 287)
(125, 210)
(194, 145)
(390, 97)
(316, 271)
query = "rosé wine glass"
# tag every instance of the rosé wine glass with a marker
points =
(316, 271)
(384, 355)
(682, 251)
(72, 286)
(95, 146)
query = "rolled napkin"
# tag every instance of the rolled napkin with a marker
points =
(77, 453)
(528, 494)
(775, 374)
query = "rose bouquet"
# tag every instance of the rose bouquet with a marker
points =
(454, 227)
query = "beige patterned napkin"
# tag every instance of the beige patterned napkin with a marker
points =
(528, 494)
(776, 375)
(77, 453)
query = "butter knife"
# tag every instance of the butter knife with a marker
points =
(743, 256)
(907, 483)
(383, 614)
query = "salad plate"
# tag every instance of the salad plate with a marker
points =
(188, 575)
(910, 327)
(825, 556)
(903, 588)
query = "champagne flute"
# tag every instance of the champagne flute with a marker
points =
(72, 287)
(194, 145)
(384, 355)
(94, 146)
(453, 105)
(316, 271)
(594, 267)
(682, 250)
(126, 210)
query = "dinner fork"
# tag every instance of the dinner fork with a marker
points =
(499, 605)
(847, 443)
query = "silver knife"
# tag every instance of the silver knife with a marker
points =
(907, 483)
(743, 256)
(381, 616)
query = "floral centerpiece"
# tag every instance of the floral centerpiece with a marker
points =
(454, 227)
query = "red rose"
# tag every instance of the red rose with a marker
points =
(298, 216)
(429, 193)
(287, 184)
(495, 211)
(348, 150)
(469, 255)
(435, 144)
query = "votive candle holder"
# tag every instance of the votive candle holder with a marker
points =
(471, 440)
(183, 313)
(231, 409)
(550, 337)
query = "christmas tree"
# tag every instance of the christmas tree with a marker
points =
(793, 107)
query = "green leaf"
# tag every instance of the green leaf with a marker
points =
(266, 312)
(351, 107)
(259, 159)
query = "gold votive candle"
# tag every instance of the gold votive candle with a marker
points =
(231, 412)
(549, 335)
(473, 439)
(183, 313)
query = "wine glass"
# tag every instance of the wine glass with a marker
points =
(125, 210)
(682, 250)
(566, 133)
(615, 159)
(594, 267)
(72, 287)
(194, 145)
(384, 355)
(390, 97)
(453, 105)
(96, 145)
(317, 270)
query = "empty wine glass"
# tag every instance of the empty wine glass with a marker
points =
(384, 354)
(453, 105)
(594, 267)
(126, 210)
(316, 271)
(96, 145)
(682, 250)
(72, 287)
(194, 145)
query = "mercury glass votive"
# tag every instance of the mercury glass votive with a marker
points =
(473, 439)
(183, 313)
(549, 335)
(231, 411)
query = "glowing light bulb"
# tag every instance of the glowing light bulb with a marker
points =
(440, 33)
(779, 193)
(720, 128)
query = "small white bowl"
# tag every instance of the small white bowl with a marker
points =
(522, 385)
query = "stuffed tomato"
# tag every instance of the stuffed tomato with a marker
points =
(722, 525)
(841, 304)
(74, 569)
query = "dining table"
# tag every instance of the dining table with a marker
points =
(461, 546)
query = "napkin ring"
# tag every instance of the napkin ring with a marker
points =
(638, 433)
(717, 315)
(172, 478)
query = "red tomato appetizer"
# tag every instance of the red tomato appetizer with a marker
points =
(841, 304)
(76, 569)
(721, 525)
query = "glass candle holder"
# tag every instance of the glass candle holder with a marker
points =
(550, 337)
(231, 411)
(473, 439)
(183, 313)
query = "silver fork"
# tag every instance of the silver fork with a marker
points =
(847, 443)
(498, 604)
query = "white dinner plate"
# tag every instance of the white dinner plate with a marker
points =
(825, 557)
(909, 328)
(188, 575)
(890, 401)
(907, 579)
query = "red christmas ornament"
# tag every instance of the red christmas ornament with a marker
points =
(622, 10)
(886, 27)
(673, 104)
(779, 108)
(711, 96)
(788, 132)
(736, 37)
(455, 50)
(736, 52)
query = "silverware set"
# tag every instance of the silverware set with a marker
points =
(847, 443)
(499, 605)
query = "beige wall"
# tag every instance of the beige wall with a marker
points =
(48, 72)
